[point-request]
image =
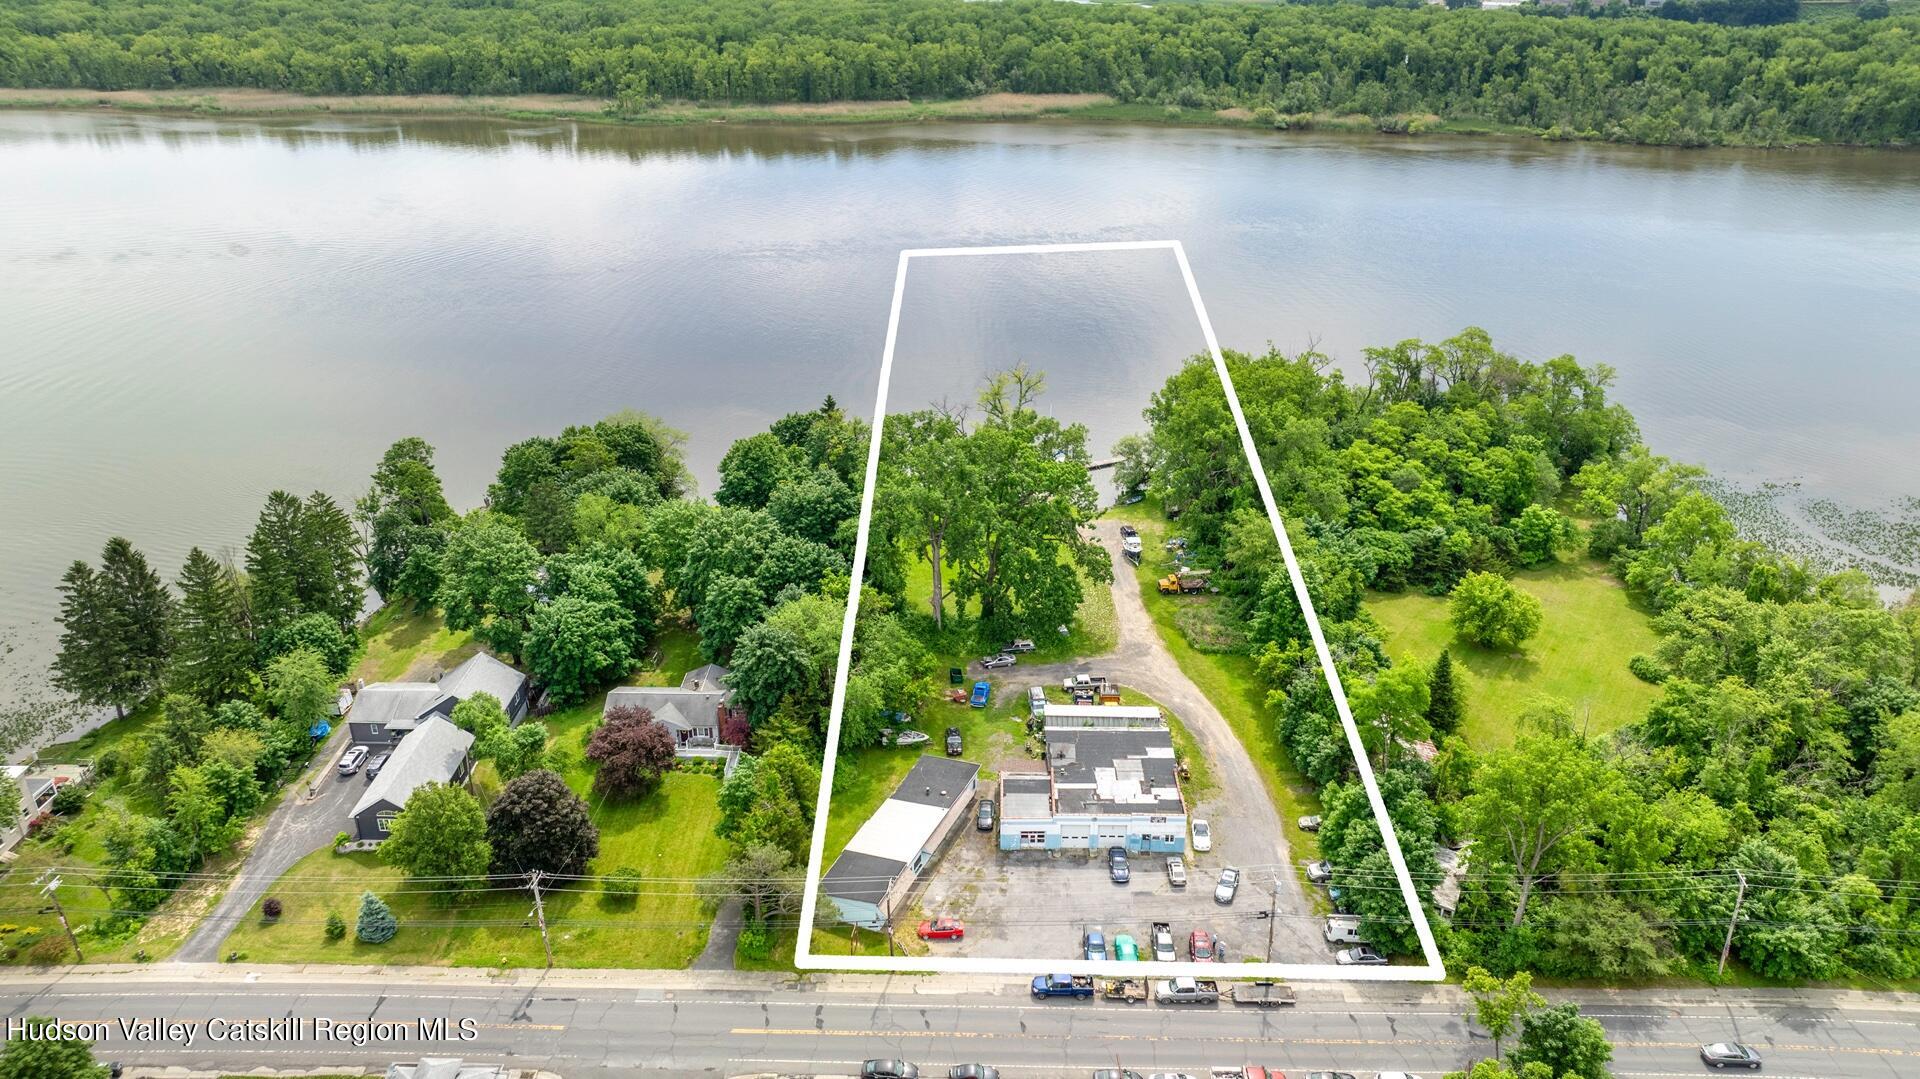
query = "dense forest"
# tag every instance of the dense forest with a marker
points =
(1779, 769)
(1633, 79)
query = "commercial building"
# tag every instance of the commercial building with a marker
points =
(868, 883)
(1110, 780)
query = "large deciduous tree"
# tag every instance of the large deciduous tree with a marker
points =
(442, 835)
(488, 578)
(1535, 804)
(407, 516)
(538, 823)
(633, 750)
(1488, 610)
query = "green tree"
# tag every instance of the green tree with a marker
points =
(1536, 804)
(1498, 1005)
(762, 877)
(1392, 709)
(753, 469)
(1487, 609)
(28, 1057)
(115, 629)
(1569, 1044)
(1540, 534)
(488, 578)
(300, 688)
(537, 823)
(406, 516)
(442, 835)
(213, 643)
(304, 558)
(574, 644)
(376, 924)
(729, 607)
(515, 752)
(481, 715)
(1444, 710)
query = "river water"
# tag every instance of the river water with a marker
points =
(194, 312)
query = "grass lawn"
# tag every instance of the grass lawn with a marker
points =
(1228, 680)
(1592, 627)
(400, 638)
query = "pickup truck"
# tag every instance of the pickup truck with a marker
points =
(1077, 986)
(1163, 943)
(1187, 991)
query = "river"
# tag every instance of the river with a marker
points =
(196, 311)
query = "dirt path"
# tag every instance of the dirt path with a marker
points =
(1247, 829)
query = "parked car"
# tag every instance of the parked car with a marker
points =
(983, 819)
(1093, 944)
(995, 662)
(1117, 1073)
(1310, 824)
(982, 693)
(1330, 1075)
(351, 760)
(1359, 956)
(377, 763)
(1396, 1075)
(1319, 872)
(944, 927)
(1176, 872)
(1228, 887)
(955, 746)
(1117, 865)
(1202, 836)
(1125, 950)
(1019, 645)
(1730, 1055)
(973, 1071)
(1162, 937)
(888, 1069)
(1202, 948)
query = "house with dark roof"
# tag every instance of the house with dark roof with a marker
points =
(384, 713)
(868, 883)
(1105, 784)
(696, 711)
(435, 751)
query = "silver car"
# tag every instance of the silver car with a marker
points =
(351, 760)
(994, 663)
(1228, 887)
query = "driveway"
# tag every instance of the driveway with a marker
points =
(298, 826)
(1247, 829)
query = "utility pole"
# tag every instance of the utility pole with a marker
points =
(52, 892)
(1733, 921)
(540, 912)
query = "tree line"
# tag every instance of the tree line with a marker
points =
(1776, 771)
(1631, 78)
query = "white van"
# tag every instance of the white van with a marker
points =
(1036, 702)
(1344, 929)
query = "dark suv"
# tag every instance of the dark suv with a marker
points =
(1117, 865)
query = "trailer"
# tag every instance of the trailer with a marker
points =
(1263, 994)
(1125, 990)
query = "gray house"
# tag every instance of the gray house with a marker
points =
(694, 711)
(435, 751)
(385, 712)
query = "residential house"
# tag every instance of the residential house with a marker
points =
(385, 712)
(38, 784)
(696, 711)
(868, 883)
(435, 751)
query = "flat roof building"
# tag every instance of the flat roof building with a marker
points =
(1104, 786)
(868, 883)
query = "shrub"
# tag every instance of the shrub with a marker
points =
(1647, 669)
(341, 839)
(376, 924)
(755, 941)
(106, 764)
(69, 799)
(336, 926)
(621, 887)
(271, 908)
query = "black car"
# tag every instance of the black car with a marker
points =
(377, 763)
(954, 745)
(973, 1071)
(888, 1069)
(1730, 1055)
(1117, 865)
(983, 820)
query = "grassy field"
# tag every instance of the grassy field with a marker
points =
(1590, 630)
(401, 638)
(1228, 680)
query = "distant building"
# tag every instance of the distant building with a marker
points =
(384, 712)
(38, 784)
(868, 883)
(696, 712)
(434, 752)
(1108, 782)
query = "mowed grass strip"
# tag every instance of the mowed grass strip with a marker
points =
(1591, 627)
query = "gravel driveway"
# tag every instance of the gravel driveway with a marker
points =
(1247, 829)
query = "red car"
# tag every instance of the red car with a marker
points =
(1202, 948)
(943, 929)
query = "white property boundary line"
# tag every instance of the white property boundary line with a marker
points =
(804, 958)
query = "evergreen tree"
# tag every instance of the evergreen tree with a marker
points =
(1444, 712)
(213, 648)
(273, 564)
(115, 628)
(86, 664)
(304, 558)
(142, 613)
(376, 924)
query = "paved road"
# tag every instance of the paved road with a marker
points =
(297, 827)
(1247, 828)
(674, 1024)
